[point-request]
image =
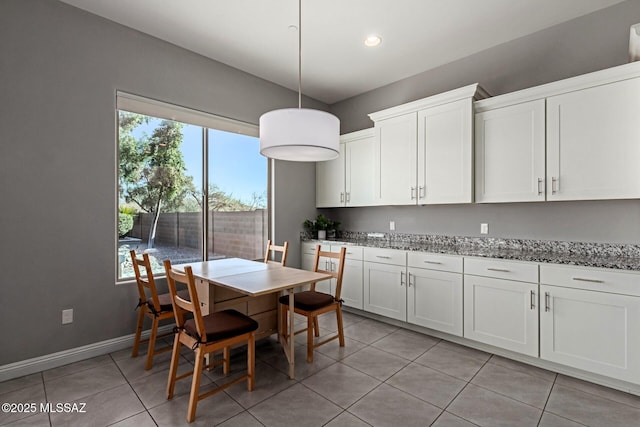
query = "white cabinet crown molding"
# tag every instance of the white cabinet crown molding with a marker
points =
(596, 78)
(358, 134)
(474, 91)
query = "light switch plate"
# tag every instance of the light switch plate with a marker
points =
(67, 316)
(484, 228)
(392, 225)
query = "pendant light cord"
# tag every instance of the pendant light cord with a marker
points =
(299, 54)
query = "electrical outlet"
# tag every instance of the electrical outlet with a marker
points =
(67, 316)
(484, 228)
(392, 225)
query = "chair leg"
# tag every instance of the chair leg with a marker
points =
(251, 361)
(152, 343)
(173, 368)
(340, 328)
(195, 385)
(226, 357)
(309, 339)
(136, 342)
(316, 328)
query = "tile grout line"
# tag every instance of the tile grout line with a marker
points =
(134, 392)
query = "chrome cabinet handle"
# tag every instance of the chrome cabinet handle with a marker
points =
(582, 279)
(540, 186)
(410, 280)
(555, 187)
(402, 278)
(501, 270)
(432, 262)
(341, 197)
(413, 190)
(533, 300)
(547, 299)
(421, 192)
(383, 257)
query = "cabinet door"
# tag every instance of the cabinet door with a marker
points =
(510, 153)
(360, 172)
(445, 153)
(308, 256)
(352, 284)
(502, 313)
(384, 290)
(594, 331)
(434, 300)
(592, 143)
(396, 163)
(330, 190)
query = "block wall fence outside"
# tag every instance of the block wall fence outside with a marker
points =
(233, 234)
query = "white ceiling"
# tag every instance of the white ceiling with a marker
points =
(417, 35)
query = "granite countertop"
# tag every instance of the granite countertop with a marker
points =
(602, 255)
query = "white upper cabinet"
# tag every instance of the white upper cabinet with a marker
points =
(349, 179)
(510, 153)
(424, 149)
(330, 190)
(445, 153)
(584, 130)
(396, 160)
(593, 143)
(359, 168)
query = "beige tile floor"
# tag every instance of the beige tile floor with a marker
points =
(384, 376)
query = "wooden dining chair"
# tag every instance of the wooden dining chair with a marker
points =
(311, 304)
(282, 249)
(204, 335)
(156, 307)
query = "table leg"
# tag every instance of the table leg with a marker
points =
(292, 340)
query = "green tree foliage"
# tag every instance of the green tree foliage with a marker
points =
(152, 169)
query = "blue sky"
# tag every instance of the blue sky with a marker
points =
(235, 163)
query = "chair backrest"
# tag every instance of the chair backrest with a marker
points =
(282, 249)
(145, 281)
(335, 272)
(181, 305)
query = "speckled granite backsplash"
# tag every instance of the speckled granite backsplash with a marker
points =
(605, 255)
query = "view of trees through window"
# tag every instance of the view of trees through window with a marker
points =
(162, 171)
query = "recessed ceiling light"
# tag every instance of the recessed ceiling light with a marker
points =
(372, 41)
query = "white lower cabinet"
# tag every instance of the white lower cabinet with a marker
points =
(499, 311)
(385, 290)
(352, 274)
(585, 328)
(352, 277)
(434, 294)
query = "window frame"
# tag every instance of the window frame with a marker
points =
(129, 102)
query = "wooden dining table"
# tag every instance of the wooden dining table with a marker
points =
(252, 279)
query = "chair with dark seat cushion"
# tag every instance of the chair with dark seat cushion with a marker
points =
(156, 307)
(205, 335)
(311, 304)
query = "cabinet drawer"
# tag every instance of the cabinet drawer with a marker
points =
(385, 256)
(353, 252)
(501, 269)
(435, 261)
(594, 279)
(310, 248)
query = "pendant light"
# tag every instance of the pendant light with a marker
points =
(299, 134)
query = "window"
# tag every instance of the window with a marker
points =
(191, 186)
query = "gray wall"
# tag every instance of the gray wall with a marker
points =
(589, 43)
(60, 68)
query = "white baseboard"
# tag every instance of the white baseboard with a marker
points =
(54, 360)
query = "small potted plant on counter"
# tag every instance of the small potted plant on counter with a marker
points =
(322, 227)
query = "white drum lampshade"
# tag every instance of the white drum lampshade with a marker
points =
(299, 134)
